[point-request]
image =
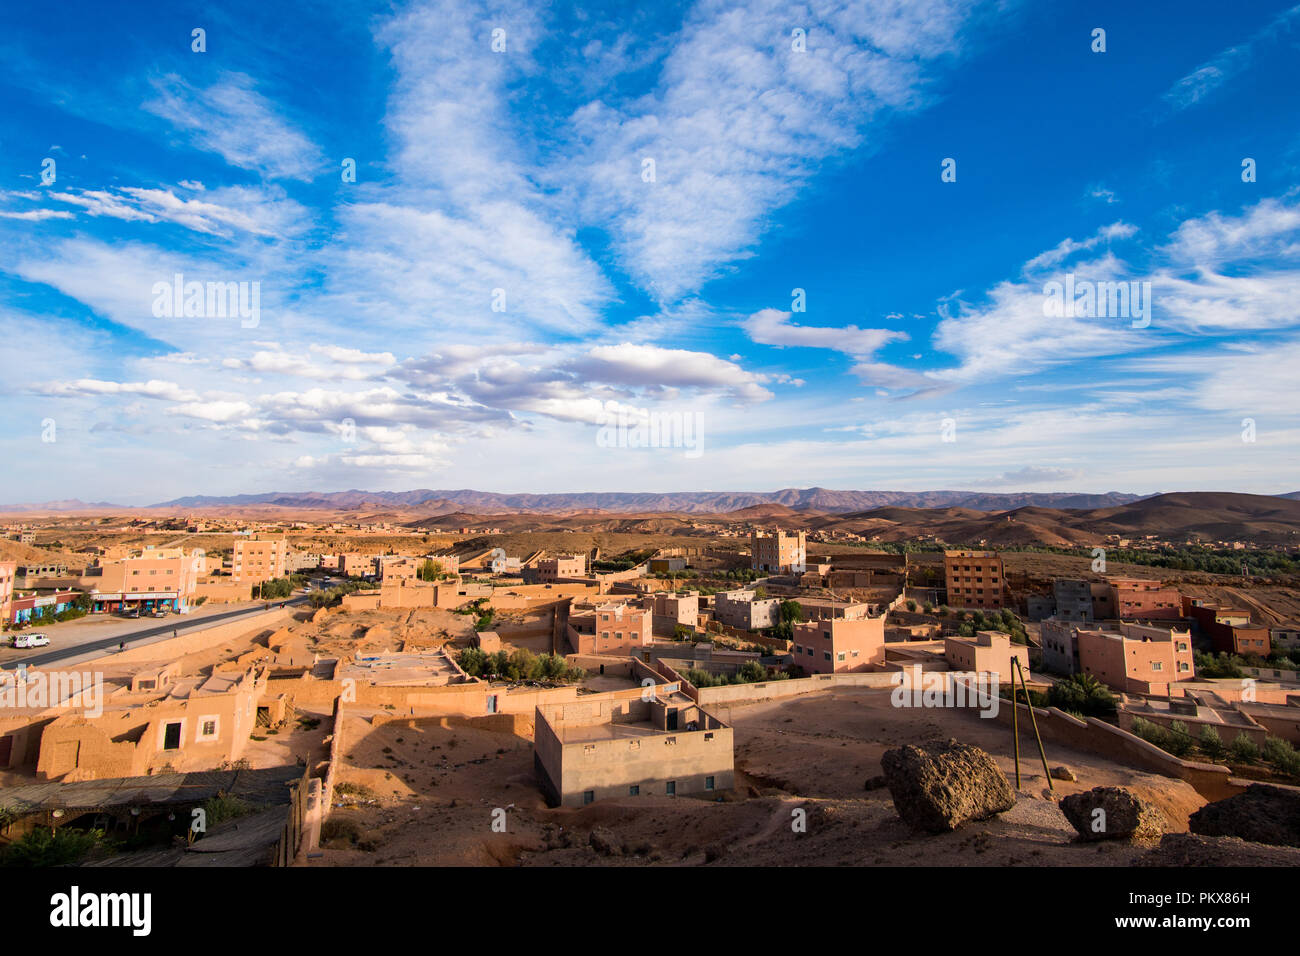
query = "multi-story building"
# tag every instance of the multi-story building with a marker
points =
(8, 572)
(1136, 658)
(974, 579)
(839, 645)
(551, 570)
(1230, 628)
(612, 628)
(669, 611)
(988, 652)
(259, 558)
(744, 609)
(1073, 599)
(145, 581)
(780, 553)
(1144, 599)
(1060, 649)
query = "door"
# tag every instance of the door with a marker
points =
(672, 718)
(492, 703)
(172, 737)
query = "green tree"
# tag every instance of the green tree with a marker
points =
(1245, 750)
(1211, 743)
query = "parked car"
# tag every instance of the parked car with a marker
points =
(134, 612)
(160, 612)
(30, 640)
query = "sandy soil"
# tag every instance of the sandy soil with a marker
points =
(434, 790)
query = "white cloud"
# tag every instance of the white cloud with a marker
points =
(232, 119)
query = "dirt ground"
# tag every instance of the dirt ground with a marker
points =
(432, 792)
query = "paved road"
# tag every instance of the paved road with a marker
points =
(146, 634)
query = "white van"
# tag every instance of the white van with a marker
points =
(30, 640)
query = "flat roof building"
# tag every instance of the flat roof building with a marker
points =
(974, 579)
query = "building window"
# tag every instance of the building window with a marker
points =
(208, 728)
(1157, 666)
(670, 788)
(588, 796)
(634, 791)
(708, 783)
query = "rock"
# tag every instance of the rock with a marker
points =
(1189, 849)
(1064, 773)
(941, 785)
(1127, 817)
(1259, 814)
(604, 841)
(875, 783)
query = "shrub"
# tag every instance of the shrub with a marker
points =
(1244, 749)
(1211, 743)
(1179, 741)
(45, 847)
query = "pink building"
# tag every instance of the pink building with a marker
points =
(1136, 659)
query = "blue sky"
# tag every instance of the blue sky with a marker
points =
(378, 361)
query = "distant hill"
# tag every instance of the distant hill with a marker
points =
(431, 502)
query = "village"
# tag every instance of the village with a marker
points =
(743, 700)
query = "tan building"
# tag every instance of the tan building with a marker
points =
(259, 558)
(988, 652)
(974, 579)
(146, 580)
(630, 743)
(617, 629)
(197, 723)
(551, 570)
(669, 610)
(780, 553)
(840, 645)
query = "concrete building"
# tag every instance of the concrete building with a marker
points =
(1230, 628)
(840, 645)
(1060, 649)
(146, 580)
(1073, 599)
(1136, 658)
(1144, 599)
(630, 743)
(259, 558)
(974, 579)
(826, 609)
(551, 570)
(743, 609)
(780, 553)
(8, 572)
(988, 652)
(611, 628)
(669, 611)
(667, 565)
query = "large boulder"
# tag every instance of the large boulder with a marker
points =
(1123, 815)
(941, 785)
(1259, 814)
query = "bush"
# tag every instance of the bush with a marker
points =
(45, 847)
(1179, 741)
(1211, 743)
(1244, 749)
(1151, 733)
(1083, 694)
